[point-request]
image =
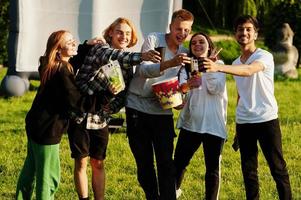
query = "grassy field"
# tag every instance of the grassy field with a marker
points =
(120, 166)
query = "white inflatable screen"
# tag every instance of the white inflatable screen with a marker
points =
(37, 19)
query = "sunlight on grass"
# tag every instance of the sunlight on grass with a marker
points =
(120, 165)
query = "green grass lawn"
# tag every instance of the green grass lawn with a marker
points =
(121, 182)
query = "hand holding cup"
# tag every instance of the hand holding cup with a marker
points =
(181, 59)
(161, 50)
(151, 55)
(194, 82)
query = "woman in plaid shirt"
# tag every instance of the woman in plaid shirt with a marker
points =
(98, 100)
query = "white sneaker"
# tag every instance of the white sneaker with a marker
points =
(178, 193)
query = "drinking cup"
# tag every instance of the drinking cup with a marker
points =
(161, 50)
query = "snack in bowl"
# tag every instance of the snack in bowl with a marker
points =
(167, 92)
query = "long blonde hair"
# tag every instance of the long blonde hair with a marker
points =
(50, 61)
(121, 20)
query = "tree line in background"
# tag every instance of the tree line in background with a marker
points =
(213, 14)
(222, 13)
(271, 14)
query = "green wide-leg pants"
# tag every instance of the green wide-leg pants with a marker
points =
(42, 164)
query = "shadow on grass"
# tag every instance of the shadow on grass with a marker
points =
(281, 78)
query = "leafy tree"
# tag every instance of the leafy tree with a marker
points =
(247, 7)
(4, 24)
(222, 13)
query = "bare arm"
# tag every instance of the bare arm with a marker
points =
(179, 59)
(238, 70)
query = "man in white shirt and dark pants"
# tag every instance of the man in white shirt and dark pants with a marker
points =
(150, 128)
(256, 112)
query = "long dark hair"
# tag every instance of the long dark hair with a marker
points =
(211, 45)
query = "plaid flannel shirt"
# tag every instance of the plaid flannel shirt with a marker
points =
(91, 80)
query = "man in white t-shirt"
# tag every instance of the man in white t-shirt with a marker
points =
(256, 112)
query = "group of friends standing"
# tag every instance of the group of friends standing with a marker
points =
(73, 90)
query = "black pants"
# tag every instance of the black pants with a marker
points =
(149, 136)
(269, 136)
(188, 143)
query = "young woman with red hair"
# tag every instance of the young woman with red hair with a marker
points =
(47, 119)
